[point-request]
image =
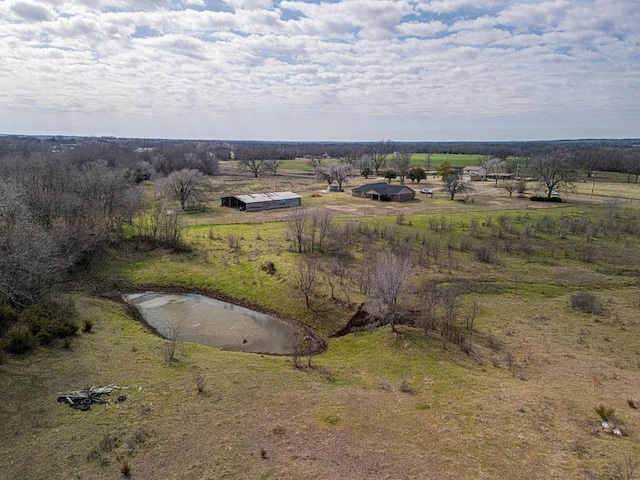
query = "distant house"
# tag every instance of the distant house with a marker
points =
(475, 174)
(262, 201)
(384, 192)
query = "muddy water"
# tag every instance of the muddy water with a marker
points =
(203, 320)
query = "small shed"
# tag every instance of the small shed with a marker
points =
(262, 201)
(384, 192)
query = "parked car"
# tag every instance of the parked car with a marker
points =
(426, 190)
(553, 193)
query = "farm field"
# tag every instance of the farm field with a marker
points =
(521, 395)
(417, 160)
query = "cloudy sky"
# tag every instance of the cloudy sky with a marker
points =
(355, 70)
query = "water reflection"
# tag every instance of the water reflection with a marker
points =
(207, 321)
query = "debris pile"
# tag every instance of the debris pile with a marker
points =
(611, 427)
(83, 399)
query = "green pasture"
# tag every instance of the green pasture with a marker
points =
(599, 187)
(422, 160)
(457, 160)
(228, 258)
(522, 397)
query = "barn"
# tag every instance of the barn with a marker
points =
(262, 201)
(384, 192)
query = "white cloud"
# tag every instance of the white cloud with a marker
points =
(249, 4)
(352, 69)
(32, 12)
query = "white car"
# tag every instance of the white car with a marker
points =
(426, 190)
(553, 193)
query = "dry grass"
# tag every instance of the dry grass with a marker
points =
(523, 402)
(464, 419)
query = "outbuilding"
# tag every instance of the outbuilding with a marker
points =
(475, 174)
(262, 201)
(384, 192)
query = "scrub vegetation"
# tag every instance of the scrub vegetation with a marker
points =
(503, 341)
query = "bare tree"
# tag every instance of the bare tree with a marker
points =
(300, 344)
(401, 164)
(305, 277)
(80, 205)
(272, 166)
(494, 167)
(253, 159)
(387, 276)
(315, 162)
(454, 184)
(352, 155)
(318, 227)
(159, 223)
(186, 186)
(168, 158)
(296, 221)
(553, 169)
(365, 166)
(171, 332)
(510, 185)
(324, 174)
(631, 164)
(340, 173)
(29, 263)
(379, 153)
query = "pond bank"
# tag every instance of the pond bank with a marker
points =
(316, 343)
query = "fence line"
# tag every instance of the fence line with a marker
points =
(371, 213)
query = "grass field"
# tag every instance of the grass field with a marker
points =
(422, 160)
(520, 404)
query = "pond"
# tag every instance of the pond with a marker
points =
(200, 319)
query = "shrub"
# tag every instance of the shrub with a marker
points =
(46, 323)
(44, 337)
(493, 343)
(466, 242)
(125, 469)
(537, 198)
(332, 419)
(136, 437)
(8, 317)
(87, 326)
(485, 253)
(384, 385)
(605, 413)
(405, 385)
(199, 378)
(234, 242)
(19, 341)
(586, 302)
(64, 329)
(268, 267)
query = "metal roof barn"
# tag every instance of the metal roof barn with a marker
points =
(262, 201)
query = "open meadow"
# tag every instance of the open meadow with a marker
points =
(517, 339)
(427, 161)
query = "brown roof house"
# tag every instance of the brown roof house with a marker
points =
(384, 192)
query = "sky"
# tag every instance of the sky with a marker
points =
(332, 70)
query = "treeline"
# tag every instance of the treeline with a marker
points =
(54, 215)
(130, 150)
(61, 202)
